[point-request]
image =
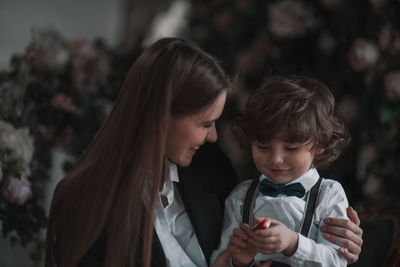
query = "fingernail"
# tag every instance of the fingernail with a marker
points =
(327, 236)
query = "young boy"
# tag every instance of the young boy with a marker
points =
(291, 126)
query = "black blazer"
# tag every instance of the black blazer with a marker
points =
(203, 186)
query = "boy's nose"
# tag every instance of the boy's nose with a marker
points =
(277, 158)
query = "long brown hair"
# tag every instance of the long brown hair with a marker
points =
(296, 109)
(103, 192)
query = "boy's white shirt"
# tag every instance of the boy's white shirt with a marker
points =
(289, 210)
(173, 226)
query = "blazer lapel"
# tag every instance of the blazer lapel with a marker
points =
(203, 186)
(157, 253)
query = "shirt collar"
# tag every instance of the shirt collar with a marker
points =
(171, 175)
(173, 172)
(307, 180)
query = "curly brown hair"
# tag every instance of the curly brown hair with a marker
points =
(295, 109)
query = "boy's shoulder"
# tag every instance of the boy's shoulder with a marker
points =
(240, 190)
(331, 190)
(329, 184)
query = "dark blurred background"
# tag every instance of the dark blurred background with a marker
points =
(62, 67)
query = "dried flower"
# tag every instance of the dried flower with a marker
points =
(18, 191)
(363, 55)
(48, 50)
(11, 100)
(392, 85)
(30, 51)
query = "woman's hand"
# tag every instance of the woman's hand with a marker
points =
(345, 233)
(241, 252)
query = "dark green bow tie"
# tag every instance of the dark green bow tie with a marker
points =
(268, 188)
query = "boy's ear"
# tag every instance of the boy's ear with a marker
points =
(319, 151)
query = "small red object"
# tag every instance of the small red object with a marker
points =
(262, 225)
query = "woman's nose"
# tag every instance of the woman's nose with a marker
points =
(212, 135)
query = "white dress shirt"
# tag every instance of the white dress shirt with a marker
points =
(174, 228)
(314, 250)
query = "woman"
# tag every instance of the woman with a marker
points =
(125, 183)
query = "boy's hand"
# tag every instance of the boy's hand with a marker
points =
(242, 253)
(277, 238)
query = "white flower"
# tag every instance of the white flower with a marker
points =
(392, 85)
(363, 54)
(289, 18)
(19, 141)
(18, 191)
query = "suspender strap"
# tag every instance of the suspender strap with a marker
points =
(249, 202)
(311, 203)
(251, 195)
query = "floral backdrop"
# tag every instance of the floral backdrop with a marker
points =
(351, 46)
(56, 93)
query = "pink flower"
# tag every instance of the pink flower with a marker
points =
(61, 101)
(392, 85)
(363, 55)
(18, 191)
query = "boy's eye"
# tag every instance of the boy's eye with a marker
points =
(207, 125)
(262, 147)
(291, 148)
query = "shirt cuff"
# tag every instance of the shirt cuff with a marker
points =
(249, 265)
(304, 248)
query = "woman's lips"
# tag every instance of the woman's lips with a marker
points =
(193, 150)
